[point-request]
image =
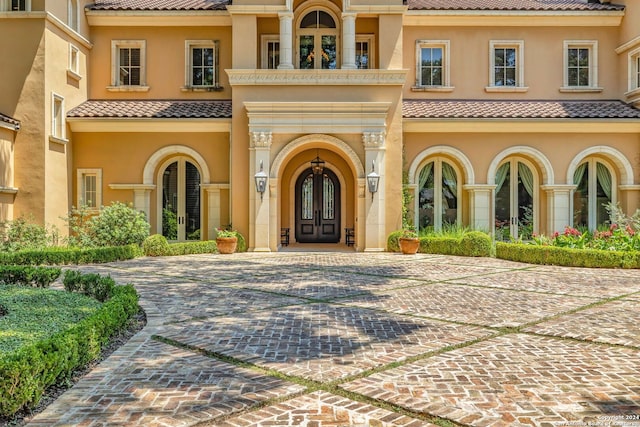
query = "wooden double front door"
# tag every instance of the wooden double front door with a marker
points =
(317, 207)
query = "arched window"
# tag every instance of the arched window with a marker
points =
(318, 41)
(438, 196)
(595, 187)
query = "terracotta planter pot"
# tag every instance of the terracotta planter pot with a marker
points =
(409, 245)
(227, 245)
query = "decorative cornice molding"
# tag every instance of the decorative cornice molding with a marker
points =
(261, 139)
(317, 77)
(373, 139)
(500, 18)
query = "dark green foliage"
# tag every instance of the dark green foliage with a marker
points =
(92, 285)
(27, 372)
(188, 248)
(570, 257)
(472, 243)
(63, 256)
(24, 234)
(39, 277)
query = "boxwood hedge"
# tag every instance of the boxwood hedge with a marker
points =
(473, 243)
(26, 373)
(63, 256)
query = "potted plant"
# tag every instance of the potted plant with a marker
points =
(409, 241)
(226, 240)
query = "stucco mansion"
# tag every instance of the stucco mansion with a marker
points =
(509, 116)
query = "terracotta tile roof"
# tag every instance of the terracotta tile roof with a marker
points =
(529, 5)
(465, 109)
(165, 109)
(10, 121)
(159, 5)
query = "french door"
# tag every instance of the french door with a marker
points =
(181, 201)
(317, 207)
(514, 200)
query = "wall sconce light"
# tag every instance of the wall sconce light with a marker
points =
(261, 181)
(373, 179)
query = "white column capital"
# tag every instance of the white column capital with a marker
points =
(261, 139)
(285, 16)
(372, 140)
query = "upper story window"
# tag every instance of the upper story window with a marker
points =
(634, 70)
(202, 64)
(364, 52)
(17, 5)
(580, 65)
(318, 41)
(74, 14)
(270, 51)
(73, 71)
(57, 117)
(128, 68)
(432, 65)
(506, 59)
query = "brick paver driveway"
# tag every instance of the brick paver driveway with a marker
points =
(351, 339)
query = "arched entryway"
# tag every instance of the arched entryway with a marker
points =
(317, 207)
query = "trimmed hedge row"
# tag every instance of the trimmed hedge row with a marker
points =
(473, 243)
(26, 374)
(91, 284)
(157, 245)
(63, 256)
(39, 277)
(568, 257)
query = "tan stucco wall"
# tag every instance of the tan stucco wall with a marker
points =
(543, 60)
(123, 156)
(6, 173)
(165, 65)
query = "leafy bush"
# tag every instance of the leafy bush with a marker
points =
(115, 225)
(23, 234)
(62, 256)
(92, 285)
(566, 256)
(469, 243)
(40, 277)
(155, 245)
(188, 248)
(169, 224)
(27, 372)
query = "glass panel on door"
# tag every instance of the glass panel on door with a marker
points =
(192, 202)
(307, 53)
(329, 52)
(170, 202)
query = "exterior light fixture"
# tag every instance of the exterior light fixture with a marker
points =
(261, 181)
(317, 165)
(373, 179)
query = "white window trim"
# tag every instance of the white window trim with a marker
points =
(73, 71)
(80, 174)
(116, 45)
(188, 84)
(369, 38)
(518, 45)
(54, 137)
(264, 44)
(633, 59)
(446, 74)
(5, 6)
(592, 45)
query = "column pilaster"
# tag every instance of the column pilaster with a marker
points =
(259, 224)
(374, 147)
(286, 40)
(480, 206)
(349, 41)
(559, 213)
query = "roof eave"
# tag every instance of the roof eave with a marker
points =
(511, 18)
(158, 18)
(149, 124)
(521, 125)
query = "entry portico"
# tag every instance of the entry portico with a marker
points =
(271, 125)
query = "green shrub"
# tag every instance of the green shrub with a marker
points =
(242, 243)
(155, 245)
(469, 243)
(62, 256)
(189, 248)
(27, 372)
(564, 256)
(24, 234)
(92, 285)
(39, 277)
(392, 241)
(115, 225)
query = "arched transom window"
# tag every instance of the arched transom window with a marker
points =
(318, 41)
